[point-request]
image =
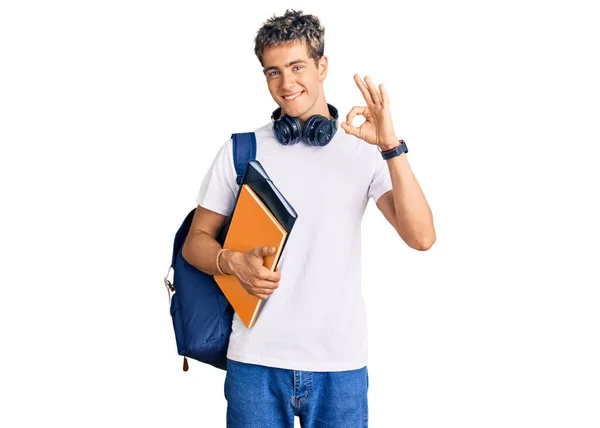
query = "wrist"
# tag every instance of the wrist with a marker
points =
(385, 148)
(394, 151)
(226, 262)
(389, 144)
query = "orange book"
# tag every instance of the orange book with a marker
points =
(252, 225)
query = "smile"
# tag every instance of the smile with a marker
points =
(292, 97)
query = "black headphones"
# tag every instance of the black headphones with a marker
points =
(317, 130)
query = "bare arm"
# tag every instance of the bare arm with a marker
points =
(405, 206)
(201, 248)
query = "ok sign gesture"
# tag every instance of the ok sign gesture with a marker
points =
(377, 128)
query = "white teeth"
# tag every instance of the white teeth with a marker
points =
(293, 96)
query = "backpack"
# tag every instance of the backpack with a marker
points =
(201, 315)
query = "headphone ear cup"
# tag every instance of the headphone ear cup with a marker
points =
(318, 130)
(287, 130)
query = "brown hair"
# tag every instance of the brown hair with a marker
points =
(293, 26)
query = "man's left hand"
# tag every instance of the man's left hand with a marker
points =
(377, 128)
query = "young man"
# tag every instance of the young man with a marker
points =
(307, 354)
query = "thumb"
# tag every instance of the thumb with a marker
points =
(350, 129)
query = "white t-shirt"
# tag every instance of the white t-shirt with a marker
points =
(316, 319)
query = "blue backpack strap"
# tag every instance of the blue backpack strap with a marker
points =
(244, 150)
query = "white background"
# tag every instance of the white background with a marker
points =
(112, 111)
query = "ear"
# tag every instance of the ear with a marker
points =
(323, 63)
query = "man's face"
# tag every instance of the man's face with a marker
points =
(289, 71)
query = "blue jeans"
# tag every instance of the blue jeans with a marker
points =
(269, 397)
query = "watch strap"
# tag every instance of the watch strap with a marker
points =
(396, 151)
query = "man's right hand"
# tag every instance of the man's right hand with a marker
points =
(249, 269)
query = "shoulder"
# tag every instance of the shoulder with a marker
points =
(264, 133)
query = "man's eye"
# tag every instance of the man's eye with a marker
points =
(299, 67)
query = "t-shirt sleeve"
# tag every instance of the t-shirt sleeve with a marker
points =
(381, 181)
(219, 187)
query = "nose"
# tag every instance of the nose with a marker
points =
(288, 82)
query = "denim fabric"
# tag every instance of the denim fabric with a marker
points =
(269, 397)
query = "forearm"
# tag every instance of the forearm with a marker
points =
(413, 214)
(200, 250)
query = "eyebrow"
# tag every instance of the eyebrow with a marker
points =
(289, 64)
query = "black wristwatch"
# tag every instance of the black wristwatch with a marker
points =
(396, 151)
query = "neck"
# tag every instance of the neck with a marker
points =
(320, 107)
